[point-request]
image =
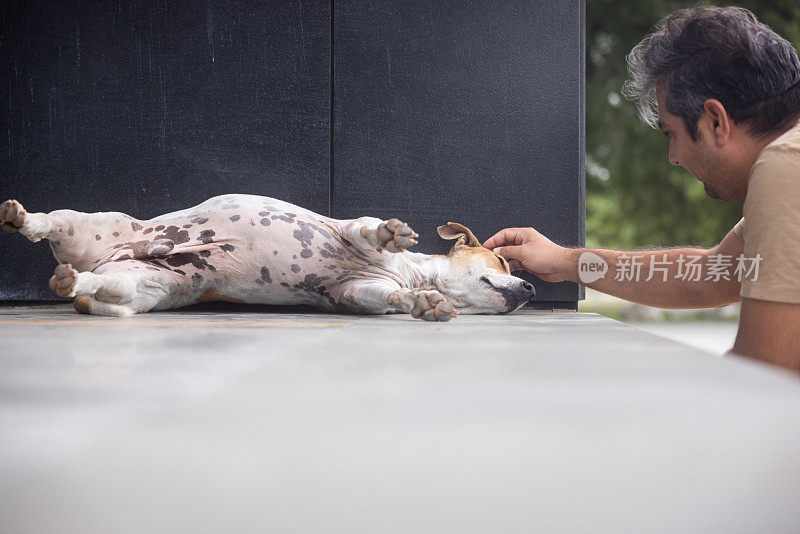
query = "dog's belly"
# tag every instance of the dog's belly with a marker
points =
(259, 250)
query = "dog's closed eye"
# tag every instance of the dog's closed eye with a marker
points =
(503, 263)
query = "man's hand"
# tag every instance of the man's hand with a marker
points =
(528, 250)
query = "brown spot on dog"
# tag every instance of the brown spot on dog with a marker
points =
(306, 253)
(206, 236)
(136, 226)
(275, 252)
(197, 279)
(329, 251)
(263, 213)
(304, 235)
(83, 304)
(188, 225)
(227, 247)
(200, 220)
(295, 268)
(115, 234)
(265, 222)
(148, 230)
(175, 234)
(71, 230)
(212, 295)
(265, 275)
(235, 218)
(183, 258)
(205, 253)
(160, 227)
(98, 237)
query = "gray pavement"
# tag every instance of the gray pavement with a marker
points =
(716, 337)
(201, 421)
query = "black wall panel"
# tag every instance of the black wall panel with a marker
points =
(462, 110)
(147, 106)
(466, 110)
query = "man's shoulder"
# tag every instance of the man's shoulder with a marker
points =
(778, 164)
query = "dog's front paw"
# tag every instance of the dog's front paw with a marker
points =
(12, 216)
(393, 235)
(64, 280)
(427, 305)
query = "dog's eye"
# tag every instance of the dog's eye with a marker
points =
(502, 262)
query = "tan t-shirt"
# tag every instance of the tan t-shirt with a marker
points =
(771, 224)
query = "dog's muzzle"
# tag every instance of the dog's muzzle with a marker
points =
(517, 295)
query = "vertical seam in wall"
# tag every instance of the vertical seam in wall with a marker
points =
(582, 119)
(330, 118)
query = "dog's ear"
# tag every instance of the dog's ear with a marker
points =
(453, 230)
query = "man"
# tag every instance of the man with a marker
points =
(727, 94)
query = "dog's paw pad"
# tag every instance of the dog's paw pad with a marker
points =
(432, 306)
(63, 281)
(12, 216)
(396, 236)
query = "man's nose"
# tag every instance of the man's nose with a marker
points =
(673, 159)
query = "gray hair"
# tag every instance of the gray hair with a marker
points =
(721, 53)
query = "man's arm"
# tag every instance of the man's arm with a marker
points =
(680, 289)
(770, 332)
(526, 249)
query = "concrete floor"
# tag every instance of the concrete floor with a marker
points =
(243, 421)
(716, 337)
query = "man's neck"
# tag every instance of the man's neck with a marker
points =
(751, 147)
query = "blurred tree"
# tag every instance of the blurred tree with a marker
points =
(634, 197)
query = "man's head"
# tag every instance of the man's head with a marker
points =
(721, 85)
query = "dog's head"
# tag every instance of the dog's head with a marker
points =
(479, 280)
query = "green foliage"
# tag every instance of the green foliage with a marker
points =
(634, 197)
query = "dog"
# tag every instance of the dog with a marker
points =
(254, 249)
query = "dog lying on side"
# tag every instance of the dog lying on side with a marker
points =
(253, 249)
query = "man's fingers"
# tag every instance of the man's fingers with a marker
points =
(508, 236)
(509, 253)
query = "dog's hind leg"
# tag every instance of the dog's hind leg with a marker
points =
(75, 237)
(120, 288)
(14, 218)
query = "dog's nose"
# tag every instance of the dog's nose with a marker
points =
(527, 286)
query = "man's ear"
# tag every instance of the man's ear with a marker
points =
(717, 120)
(453, 230)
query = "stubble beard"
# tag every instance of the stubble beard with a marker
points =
(712, 193)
